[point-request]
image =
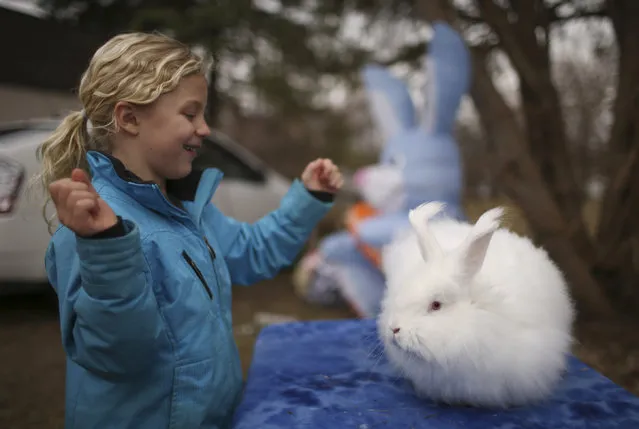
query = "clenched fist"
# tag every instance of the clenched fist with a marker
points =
(322, 175)
(79, 206)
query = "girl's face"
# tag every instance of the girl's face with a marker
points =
(160, 141)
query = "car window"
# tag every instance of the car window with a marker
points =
(214, 155)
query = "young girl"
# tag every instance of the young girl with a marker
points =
(143, 264)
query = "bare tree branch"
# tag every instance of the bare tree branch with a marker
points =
(577, 13)
(408, 54)
(471, 18)
(522, 181)
(602, 13)
(519, 175)
(511, 38)
(552, 14)
(618, 227)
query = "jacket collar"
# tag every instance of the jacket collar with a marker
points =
(192, 192)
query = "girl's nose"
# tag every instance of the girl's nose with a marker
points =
(203, 129)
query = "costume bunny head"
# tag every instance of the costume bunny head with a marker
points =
(420, 160)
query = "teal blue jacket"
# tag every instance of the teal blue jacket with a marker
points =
(146, 313)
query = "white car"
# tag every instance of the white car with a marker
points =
(249, 191)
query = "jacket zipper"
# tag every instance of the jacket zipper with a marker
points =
(213, 256)
(211, 251)
(198, 273)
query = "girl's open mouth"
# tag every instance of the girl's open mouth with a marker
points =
(191, 148)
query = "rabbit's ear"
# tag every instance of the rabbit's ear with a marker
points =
(473, 250)
(448, 69)
(391, 104)
(419, 218)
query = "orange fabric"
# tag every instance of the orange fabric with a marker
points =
(358, 212)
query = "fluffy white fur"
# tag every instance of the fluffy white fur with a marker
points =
(502, 332)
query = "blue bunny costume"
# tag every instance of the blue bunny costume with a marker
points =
(420, 162)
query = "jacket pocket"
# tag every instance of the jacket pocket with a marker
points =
(198, 273)
(193, 399)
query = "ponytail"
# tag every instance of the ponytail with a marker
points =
(62, 152)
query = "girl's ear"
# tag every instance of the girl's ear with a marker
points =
(126, 118)
(447, 69)
(391, 104)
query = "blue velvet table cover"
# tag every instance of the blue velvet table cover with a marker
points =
(332, 374)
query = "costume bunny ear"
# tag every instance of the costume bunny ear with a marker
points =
(472, 252)
(448, 69)
(391, 104)
(419, 218)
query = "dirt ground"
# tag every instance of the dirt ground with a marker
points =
(32, 361)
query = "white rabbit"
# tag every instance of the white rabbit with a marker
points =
(474, 314)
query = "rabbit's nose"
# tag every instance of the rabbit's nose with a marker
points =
(395, 330)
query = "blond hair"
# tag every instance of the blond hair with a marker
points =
(133, 67)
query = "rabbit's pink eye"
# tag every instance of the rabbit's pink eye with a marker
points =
(435, 305)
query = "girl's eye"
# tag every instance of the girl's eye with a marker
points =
(435, 305)
(191, 117)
